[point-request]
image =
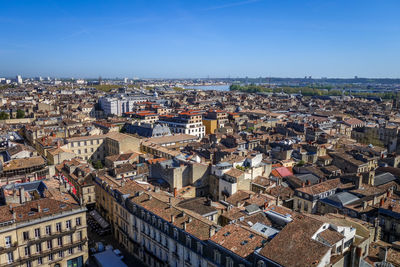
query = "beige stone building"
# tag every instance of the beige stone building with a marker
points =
(118, 143)
(58, 155)
(97, 147)
(44, 232)
(87, 147)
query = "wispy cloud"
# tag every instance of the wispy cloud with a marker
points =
(232, 4)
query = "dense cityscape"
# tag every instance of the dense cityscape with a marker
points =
(199, 172)
(201, 133)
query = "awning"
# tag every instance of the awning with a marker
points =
(99, 219)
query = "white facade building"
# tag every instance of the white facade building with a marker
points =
(121, 104)
(19, 79)
(185, 123)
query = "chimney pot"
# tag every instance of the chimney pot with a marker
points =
(381, 202)
(172, 218)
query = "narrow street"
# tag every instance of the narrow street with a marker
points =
(109, 240)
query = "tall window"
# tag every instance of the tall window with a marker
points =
(80, 235)
(10, 257)
(27, 251)
(58, 227)
(25, 235)
(199, 248)
(78, 220)
(217, 257)
(229, 262)
(37, 232)
(8, 241)
(48, 230)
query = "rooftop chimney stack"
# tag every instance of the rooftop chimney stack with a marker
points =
(211, 231)
(21, 195)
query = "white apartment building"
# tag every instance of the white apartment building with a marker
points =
(185, 123)
(120, 104)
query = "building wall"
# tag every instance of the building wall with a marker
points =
(91, 148)
(59, 158)
(211, 125)
(78, 245)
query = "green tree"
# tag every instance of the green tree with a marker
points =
(240, 168)
(97, 164)
(300, 163)
(20, 114)
(4, 115)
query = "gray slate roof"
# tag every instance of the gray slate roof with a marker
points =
(383, 178)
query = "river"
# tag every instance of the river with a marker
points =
(209, 87)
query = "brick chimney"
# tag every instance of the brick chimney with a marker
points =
(172, 218)
(175, 191)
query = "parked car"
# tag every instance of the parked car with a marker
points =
(118, 253)
(99, 247)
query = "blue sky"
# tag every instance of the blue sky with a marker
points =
(215, 38)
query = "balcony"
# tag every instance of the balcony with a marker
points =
(175, 254)
(8, 249)
(53, 235)
(123, 231)
(45, 253)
